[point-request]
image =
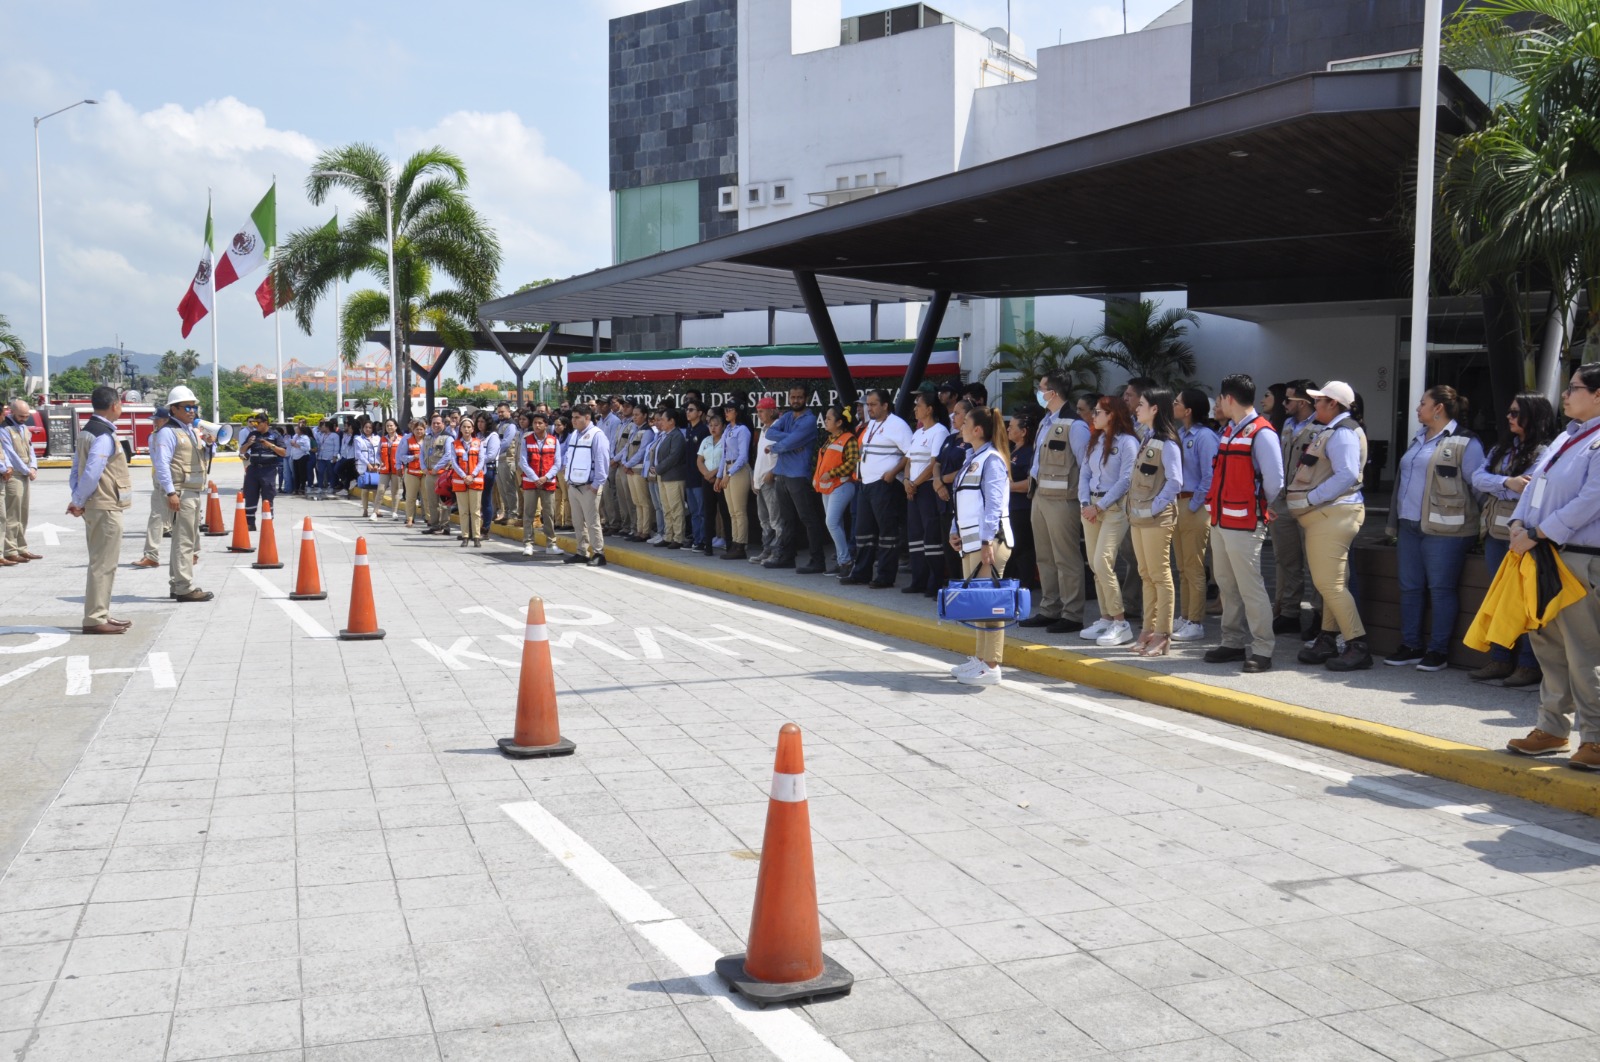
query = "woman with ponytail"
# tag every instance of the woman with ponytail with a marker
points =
(981, 530)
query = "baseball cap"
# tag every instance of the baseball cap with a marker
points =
(947, 387)
(1337, 390)
(767, 403)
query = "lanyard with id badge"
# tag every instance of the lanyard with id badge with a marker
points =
(1538, 484)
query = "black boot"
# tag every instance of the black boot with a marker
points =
(1356, 657)
(1325, 648)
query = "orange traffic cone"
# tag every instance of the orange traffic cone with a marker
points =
(268, 556)
(307, 581)
(214, 527)
(538, 729)
(784, 960)
(241, 529)
(363, 614)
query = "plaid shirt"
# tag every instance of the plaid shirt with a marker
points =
(850, 459)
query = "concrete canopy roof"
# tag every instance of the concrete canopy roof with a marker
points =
(1281, 194)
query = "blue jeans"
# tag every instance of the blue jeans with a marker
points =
(1494, 551)
(325, 468)
(286, 476)
(487, 506)
(837, 508)
(1430, 571)
(694, 501)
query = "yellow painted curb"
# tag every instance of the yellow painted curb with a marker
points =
(1547, 782)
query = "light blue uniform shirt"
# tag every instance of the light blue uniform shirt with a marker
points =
(1172, 465)
(366, 453)
(23, 463)
(735, 448)
(1199, 460)
(1413, 487)
(83, 481)
(162, 443)
(644, 433)
(1563, 495)
(1108, 476)
(1344, 454)
(328, 446)
(1077, 438)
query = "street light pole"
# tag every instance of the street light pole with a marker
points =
(38, 185)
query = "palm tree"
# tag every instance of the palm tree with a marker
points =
(438, 233)
(1035, 354)
(1148, 341)
(13, 355)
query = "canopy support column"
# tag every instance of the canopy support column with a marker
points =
(520, 372)
(827, 338)
(918, 366)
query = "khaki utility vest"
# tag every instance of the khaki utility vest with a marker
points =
(1294, 445)
(1058, 465)
(188, 461)
(115, 489)
(1314, 469)
(1448, 505)
(1149, 475)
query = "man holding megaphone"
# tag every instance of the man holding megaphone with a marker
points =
(261, 449)
(177, 457)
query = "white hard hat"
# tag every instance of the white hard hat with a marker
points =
(180, 394)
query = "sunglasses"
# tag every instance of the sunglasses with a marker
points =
(189, 409)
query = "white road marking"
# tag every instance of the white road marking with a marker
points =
(461, 649)
(292, 609)
(80, 676)
(1480, 814)
(330, 533)
(52, 532)
(787, 1035)
(27, 669)
(581, 616)
(44, 639)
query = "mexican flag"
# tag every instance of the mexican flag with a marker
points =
(252, 245)
(197, 303)
(266, 296)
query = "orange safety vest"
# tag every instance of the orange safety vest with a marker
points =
(832, 457)
(386, 453)
(542, 459)
(414, 447)
(467, 458)
(1235, 498)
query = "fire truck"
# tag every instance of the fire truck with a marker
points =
(68, 413)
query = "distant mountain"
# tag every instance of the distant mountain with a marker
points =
(143, 364)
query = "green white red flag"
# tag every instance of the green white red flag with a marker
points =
(197, 301)
(252, 245)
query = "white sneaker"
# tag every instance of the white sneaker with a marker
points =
(984, 676)
(718, 543)
(373, 518)
(654, 540)
(971, 663)
(527, 550)
(1095, 629)
(1119, 633)
(1189, 631)
(552, 548)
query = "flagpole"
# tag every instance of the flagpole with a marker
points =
(277, 336)
(338, 401)
(216, 375)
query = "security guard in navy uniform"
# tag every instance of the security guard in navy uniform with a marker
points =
(262, 451)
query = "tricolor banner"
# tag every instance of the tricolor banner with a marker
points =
(884, 358)
(252, 245)
(197, 301)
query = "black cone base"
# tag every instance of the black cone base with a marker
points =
(509, 746)
(319, 596)
(266, 565)
(834, 980)
(363, 636)
(236, 549)
(213, 534)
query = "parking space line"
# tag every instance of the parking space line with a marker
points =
(1479, 814)
(292, 609)
(789, 1037)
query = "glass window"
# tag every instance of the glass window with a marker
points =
(655, 218)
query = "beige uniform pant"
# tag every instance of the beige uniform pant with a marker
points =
(1289, 553)
(433, 506)
(563, 503)
(1246, 609)
(413, 498)
(586, 518)
(991, 637)
(185, 542)
(1153, 547)
(644, 510)
(394, 488)
(1327, 533)
(1103, 537)
(157, 526)
(1191, 535)
(508, 485)
(737, 493)
(103, 530)
(1568, 651)
(616, 502)
(672, 511)
(469, 507)
(18, 488)
(1057, 524)
(538, 504)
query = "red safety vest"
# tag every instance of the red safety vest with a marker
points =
(1235, 498)
(414, 448)
(542, 459)
(467, 458)
(386, 454)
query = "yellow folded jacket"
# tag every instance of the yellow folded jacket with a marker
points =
(1527, 592)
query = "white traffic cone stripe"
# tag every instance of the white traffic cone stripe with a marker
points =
(536, 632)
(361, 560)
(789, 788)
(307, 536)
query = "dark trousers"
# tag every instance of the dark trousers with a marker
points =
(878, 523)
(260, 481)
(924, 538)
(303, 474)
(717, 517)
(950, 557)
(344, 473)
(488, 494)
(798, 501)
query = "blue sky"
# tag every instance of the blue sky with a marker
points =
(229, 95)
